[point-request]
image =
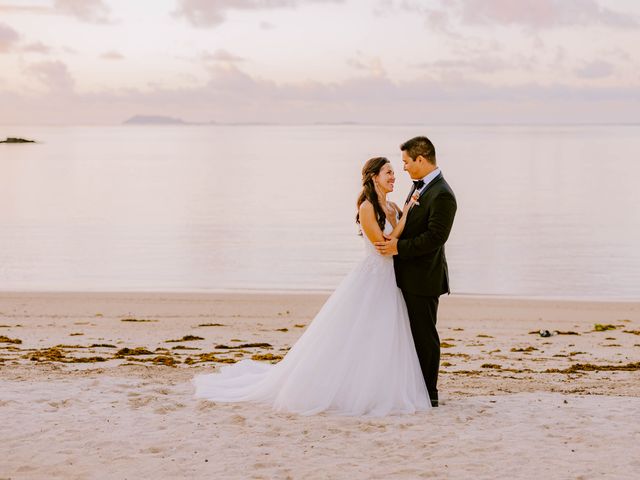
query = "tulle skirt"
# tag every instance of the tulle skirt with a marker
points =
(357, 357)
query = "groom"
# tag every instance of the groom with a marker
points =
(419, 261)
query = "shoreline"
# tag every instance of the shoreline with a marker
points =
(327, 291)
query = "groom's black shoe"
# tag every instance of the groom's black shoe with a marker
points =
(434, 402)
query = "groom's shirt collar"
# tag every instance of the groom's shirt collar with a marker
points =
(429, 178)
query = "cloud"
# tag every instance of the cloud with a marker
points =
(92, 11)
(533, 14)
(112, 55)
(222, 56)
(540, 14)
(231, 95)
(8, 37)
(373, 66)
(37, 47)
(211, 13)
(54, 75)
(595, 69)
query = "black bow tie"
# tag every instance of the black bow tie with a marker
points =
(418, 184)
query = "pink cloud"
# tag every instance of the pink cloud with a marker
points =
(208, 13)
(54, 75)
(223, 56)
(37, 47)
(112, 55)
(93, 11)
(8, 37)
(542, 13)
(232, 95)
(595, 69)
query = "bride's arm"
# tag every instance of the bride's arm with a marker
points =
(369, 222)
(397, 231)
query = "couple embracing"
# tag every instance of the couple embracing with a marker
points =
(373, 348)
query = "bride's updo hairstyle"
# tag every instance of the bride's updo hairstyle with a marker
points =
(370, 170)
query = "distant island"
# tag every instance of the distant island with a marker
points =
(154, 120)
(17, 140)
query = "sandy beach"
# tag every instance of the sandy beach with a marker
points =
(97, 385)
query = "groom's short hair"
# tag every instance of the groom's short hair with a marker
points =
(420, 146)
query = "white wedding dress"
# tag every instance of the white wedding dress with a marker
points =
(357, 357)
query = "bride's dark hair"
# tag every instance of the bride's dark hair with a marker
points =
(371, 169)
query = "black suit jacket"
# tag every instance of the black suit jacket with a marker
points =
(421, 265)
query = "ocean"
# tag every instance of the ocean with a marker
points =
(543, 211)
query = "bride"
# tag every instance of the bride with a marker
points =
(357, 357)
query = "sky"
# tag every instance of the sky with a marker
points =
(74, 62)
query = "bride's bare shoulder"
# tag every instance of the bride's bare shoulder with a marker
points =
(366, 206)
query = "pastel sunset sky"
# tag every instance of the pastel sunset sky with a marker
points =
(306, 61)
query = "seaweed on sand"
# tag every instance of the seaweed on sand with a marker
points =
(211, 357)
(186, 338)
(266, 357)
(600, 327)
(125, 352)
(524, 349)
(54, 354)
(130, 319)
(590, 367)
(4, 339)
(245, 345)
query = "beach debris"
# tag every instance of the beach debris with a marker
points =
(523, 349)
(282, 329)
(287, 312)
(211, 357)
(299, 325)
(211, 325)
(483, 335)
(186, 338)
(245, 345)
(4, 339)
(602, 327)
(590, 367)
(266, 357)
(632, 332)
(54, 354)
(101, 345)
(458, 329)
(137, 320)
(124, 352)
(166, 360)
(446, 345)
(491, 365)
(446, 364)
(568, 332)
(75, 334)
(98, 315)
(183, 347)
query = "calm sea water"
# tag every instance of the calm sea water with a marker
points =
(543, 211)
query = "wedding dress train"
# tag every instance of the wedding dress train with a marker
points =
(357, 357)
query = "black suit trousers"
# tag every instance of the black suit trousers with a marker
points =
(423, 313)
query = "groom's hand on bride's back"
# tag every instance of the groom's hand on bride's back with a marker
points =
(388, 247)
